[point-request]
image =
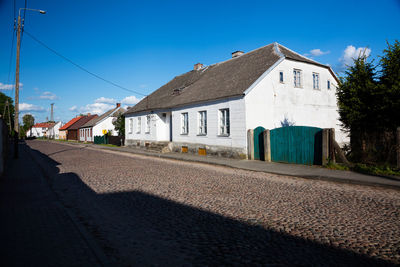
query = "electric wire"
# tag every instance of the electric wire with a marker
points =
(80, 67)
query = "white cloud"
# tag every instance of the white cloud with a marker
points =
(8, 86)
(48, 95)
(351, 53)
(96, 108)
(131, 100)
(105, 100)
(25, 107)
(73, 108)
(318, 52)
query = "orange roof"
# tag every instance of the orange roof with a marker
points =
(43, 125)
(68, 124)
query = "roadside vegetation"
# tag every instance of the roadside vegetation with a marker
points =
(369, 107)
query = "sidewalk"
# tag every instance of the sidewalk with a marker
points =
(309, 172)
(35, 229)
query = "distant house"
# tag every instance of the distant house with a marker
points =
(63, 131)
(53, 132)
(72, 133)
(214, 106)
(97, 126)
(39, 129)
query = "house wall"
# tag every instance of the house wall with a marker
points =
(270, 101)
(62, 135)
(160, 129)
(54, 131)
(105, 124)
(36, 132)
(84, 134)
(237, 136)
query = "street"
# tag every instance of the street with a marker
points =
(150, 211)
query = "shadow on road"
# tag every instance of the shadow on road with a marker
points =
(137, 228)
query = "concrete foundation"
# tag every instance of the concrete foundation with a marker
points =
(220, 151)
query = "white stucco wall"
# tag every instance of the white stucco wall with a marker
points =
(159, 127)
(270, 101)
(105, 124)
(36, 132)
(237, 137)
(54, 132)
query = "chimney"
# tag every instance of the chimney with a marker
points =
(118, 105)
(198, 66)
(237, 54)
(88, 114)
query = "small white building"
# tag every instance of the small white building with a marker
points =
(212, 107)
(98, 126)
(39, 129)
(53, 132)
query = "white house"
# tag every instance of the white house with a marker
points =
(212, 107)
(53, 131)
(97, 126)
(39, 129)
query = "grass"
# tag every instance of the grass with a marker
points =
(109, 145)
(376, 170)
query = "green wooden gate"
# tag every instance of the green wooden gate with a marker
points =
(297, 144)
(259, 143)
(100, 139)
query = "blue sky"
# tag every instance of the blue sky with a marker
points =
(141, 45)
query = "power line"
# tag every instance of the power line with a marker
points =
(80, 67)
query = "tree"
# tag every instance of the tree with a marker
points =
(119, 124)
(8, 115)
(355, 95)
(28, 121)
(390, 84)
(369, 104)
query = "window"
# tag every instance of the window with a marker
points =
(202, 122)
(315, 77)
(297, 78)
(130, 125)
(185, 123)
(139, 125)
(224, 122)
(148, 118)
(281, 76)
(328, 85)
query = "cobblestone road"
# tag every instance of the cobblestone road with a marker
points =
(149, 211)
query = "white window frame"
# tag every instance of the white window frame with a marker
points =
(281, 75)
(130, 125)
(316, 85)
(224, 122)
(138, 125)
(185, 123)
(297, 78)
(202, 122)
(148, 121)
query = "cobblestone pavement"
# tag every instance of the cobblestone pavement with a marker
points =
(149, 211)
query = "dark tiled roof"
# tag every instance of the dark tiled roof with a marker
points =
(81, 122)
(222, 80)
(93, 122)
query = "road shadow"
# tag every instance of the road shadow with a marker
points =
(138, 228)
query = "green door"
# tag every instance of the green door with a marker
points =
(296, 144)
(259, 143)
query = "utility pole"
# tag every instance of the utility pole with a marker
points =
(51, 115)
(16, 118)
